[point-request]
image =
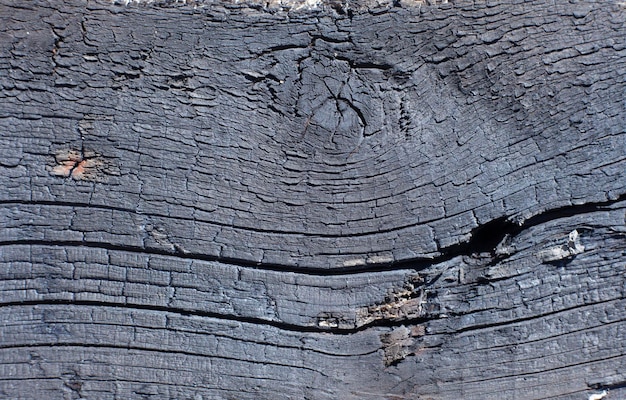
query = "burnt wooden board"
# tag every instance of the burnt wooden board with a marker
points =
(271, 201)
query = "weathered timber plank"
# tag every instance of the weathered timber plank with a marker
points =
(314, 140)
(72, 271)
(215, 201)
(69, 273)
(516, 322)
(154, 347)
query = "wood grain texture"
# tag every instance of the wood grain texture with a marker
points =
(220, 201)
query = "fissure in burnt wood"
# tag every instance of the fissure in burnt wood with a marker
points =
(283, 201)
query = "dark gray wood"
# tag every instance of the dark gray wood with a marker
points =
(266, 201)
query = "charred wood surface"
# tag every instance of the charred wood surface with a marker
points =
(366, 201)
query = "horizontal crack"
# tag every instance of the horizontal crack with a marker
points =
(224, 317)
(223, 225)
(311, 271)
(150, 349)
(517, 375)
(509, 322)
(484, 239)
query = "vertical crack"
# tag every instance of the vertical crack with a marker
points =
(56, 48)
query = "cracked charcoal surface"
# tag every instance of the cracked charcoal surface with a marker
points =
(107, 315)
(213, 200)
(357, 145)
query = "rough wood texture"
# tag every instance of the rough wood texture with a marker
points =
(216, 201)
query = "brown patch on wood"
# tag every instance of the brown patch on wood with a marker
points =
(418, 330)
(401, 343)
(407, 303)
(397, 345)
(78, 165)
